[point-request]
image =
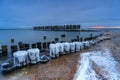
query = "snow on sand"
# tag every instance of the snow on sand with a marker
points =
(97, 65)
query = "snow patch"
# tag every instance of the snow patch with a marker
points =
(97, 65)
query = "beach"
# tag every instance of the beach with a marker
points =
(62, 68)
(101, 62)
(65, 67)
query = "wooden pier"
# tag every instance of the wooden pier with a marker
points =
(58, 28)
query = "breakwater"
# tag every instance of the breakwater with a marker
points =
(58, 28)
(13, 40)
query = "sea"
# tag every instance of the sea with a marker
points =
(33, 36)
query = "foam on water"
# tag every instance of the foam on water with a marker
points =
(97, 65)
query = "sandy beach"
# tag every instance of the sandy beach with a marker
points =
(101, 62)
(64, 67)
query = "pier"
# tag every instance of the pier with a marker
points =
(58, 28)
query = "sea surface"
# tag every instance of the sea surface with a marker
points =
(31, 36)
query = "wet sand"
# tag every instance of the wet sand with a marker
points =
(62, 68)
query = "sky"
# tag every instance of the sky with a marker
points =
(87, 13)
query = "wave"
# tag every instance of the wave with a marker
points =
(97, 65)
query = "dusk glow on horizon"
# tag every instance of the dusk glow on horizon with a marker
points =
(99, 27)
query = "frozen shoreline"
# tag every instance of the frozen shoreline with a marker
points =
(101, 62)
(96, 65)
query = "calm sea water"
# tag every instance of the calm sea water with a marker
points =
(31, 36)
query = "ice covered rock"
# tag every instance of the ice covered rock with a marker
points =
(81, 45)
(7, 66)
(86, 44)
(20, 58)
(52, 52)
(72, 47)
(33, 55)
(56, 50)
(59, 48)
(44, 59)
(77, 46)
(66, 46)
(92, 42)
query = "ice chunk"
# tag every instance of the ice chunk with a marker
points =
(77, 46)
(66, 46)
(20, 58)
(86, 44)
(52, 52)
(34, 55)
(59, 48)
(44, 59)
(72, 47)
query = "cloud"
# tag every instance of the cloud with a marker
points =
(28, 13)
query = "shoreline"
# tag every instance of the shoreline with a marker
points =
(62, 68)
(96, 71)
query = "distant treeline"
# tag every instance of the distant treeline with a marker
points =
(58, 27)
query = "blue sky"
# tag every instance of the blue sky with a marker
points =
(88, 13)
